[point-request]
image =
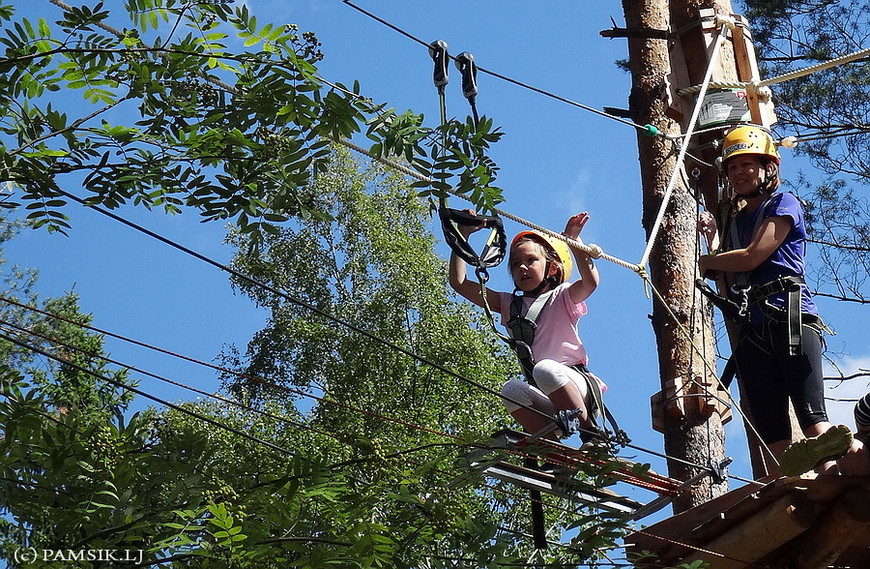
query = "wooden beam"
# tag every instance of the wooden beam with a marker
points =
(757, 536)
(834, 532)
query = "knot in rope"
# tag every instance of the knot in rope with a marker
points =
(594, 250)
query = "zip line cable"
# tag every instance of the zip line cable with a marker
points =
(648, 129)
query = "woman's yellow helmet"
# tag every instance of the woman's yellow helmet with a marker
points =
(748, 140)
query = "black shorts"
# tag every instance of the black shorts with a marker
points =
(770, 377)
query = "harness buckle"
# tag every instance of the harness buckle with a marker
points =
(741, 294)
(568, 421)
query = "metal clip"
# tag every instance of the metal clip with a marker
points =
(438, 52)
(741, 293)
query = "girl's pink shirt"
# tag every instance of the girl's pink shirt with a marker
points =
(556, 336)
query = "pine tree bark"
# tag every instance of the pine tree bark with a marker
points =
(697, 437)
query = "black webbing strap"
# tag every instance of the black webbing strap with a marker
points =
(496, 244)
(791, 286)
(729, 308)
(539, 531)
(521, 328)
(793, 296)
(599, 411)
(741, 279)
(728, 372)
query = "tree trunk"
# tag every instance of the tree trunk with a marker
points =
(693, 435)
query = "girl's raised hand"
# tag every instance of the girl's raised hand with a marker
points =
(575, 225)
(466, 230)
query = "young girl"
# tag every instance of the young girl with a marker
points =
(540, 267)
(779, 352)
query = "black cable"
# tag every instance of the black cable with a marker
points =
(142, 393)
(308, 306)
(217, 368)
(214, 367)
(158, 377)
(646, 129)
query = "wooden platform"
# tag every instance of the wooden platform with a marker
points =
(498, 459)
(791, 522)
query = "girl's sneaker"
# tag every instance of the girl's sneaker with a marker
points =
(804, 455)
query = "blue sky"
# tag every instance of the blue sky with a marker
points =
(555, 160)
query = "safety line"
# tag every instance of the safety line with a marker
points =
(684, 147)
(211, 366)
(756, 85)
(649, 130)
(592, 250)
(247, 377)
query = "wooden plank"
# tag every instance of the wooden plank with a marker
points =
(745, 73)
(656, 537)
(778, 523)
(702, 524)
(849, 517)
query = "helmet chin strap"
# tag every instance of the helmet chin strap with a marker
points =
(548, 280)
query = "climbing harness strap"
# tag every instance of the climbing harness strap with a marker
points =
(742, 279)
(599, 412)
(791, 286)
(521, 328)
(730, 309)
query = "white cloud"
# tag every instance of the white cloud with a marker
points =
(841, 394)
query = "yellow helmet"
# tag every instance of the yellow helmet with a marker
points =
(748, 140)
(556, 246)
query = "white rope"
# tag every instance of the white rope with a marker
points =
(757, 85)
(684, 147)
(591, 249)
